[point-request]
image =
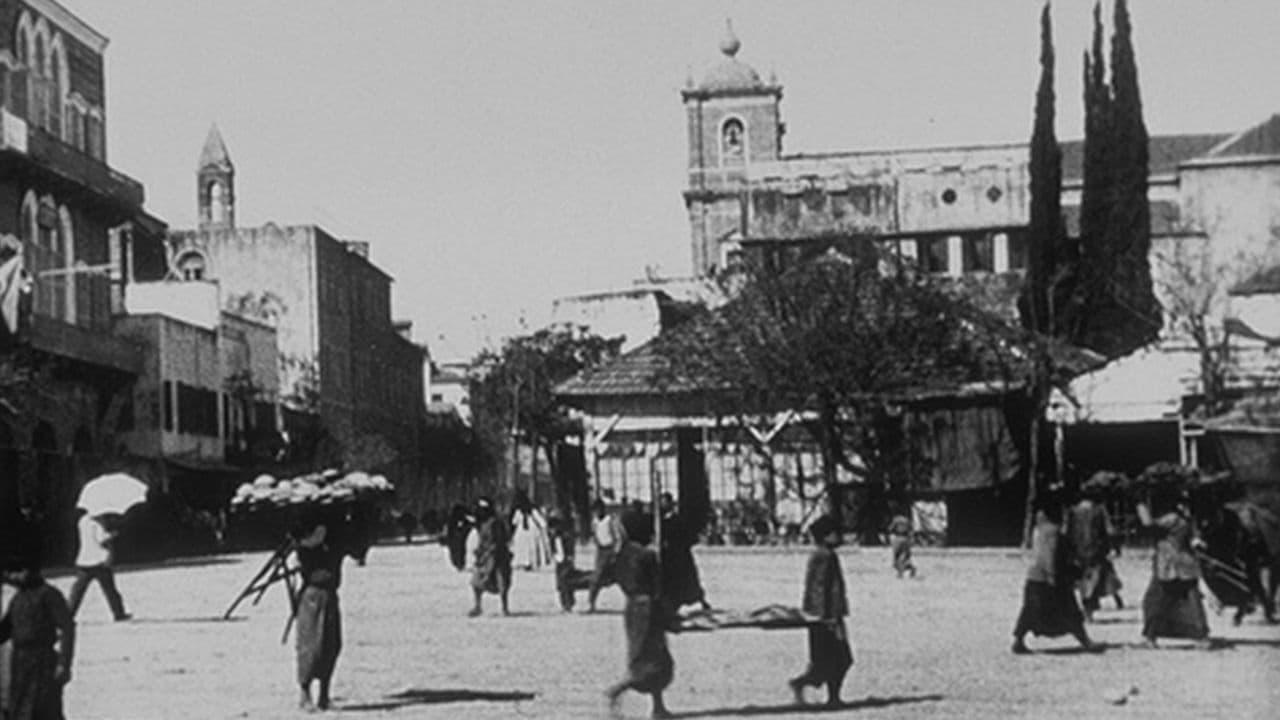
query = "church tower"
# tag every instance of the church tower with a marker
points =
(734, 123)
(216, 184)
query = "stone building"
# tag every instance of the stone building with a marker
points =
(959, 213)
(342, 360)
(65, 378)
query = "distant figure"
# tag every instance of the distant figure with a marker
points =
(455, 538)
(408, 523)
(1090, 530)
(43, 634)
(530, 548)
(824, 597)
(1049, 607)
(97, 540)
(492, 569)
(607, 535)
(681, 584)
(318, 639)
(569, 579)
(650, 666)
(1172, 606)
(900, 544)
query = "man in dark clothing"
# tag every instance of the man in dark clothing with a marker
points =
(681, 584)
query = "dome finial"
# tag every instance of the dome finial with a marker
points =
(729, 44)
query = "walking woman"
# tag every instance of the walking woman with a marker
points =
(319, 632)
(1172, 606)
(650, 666)
(492, 569)
(1049, 607)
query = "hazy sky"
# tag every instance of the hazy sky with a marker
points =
(497, 155)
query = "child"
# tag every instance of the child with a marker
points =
(900, 542)
(649, 663)
(824, 596)
(39, 623)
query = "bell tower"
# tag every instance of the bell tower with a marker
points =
(216, 184)
(734, 122)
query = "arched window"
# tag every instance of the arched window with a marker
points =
(57, 86)
(67, 233)
(733, 140)
(35, 83)
(191, 265)
(217, 202)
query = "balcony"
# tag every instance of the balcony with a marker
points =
(51, 155)
(86, 346)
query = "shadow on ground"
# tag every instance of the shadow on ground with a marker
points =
(205, 619)
(866, 703)
(436, 697)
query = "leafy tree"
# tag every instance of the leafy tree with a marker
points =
(513, 397)
(840, 340)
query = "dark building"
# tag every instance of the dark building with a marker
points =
(68, 221)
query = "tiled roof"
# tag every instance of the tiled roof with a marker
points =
(1165, 153)
(1265, 281)
(639, 372)
(1261, 139)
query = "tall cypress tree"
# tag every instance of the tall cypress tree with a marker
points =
(1134, 309)
(1116, 304)
(1097, 181)
(1044, 236)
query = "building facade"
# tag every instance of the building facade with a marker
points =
(342, 359)
(69, 219)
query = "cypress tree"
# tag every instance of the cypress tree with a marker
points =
(1097, 182)
(1133, 308)
(1045, 222)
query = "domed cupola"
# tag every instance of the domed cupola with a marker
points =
(730, 74)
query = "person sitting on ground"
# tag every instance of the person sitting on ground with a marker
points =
(826, 599)
(38, 621)
(1049, 607)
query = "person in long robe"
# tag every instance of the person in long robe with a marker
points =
(39, 624)
(681, 582)
(530, 545)
(825, 597)
(491, 571)
(318, 636)
(1049, 607)
(1172, 606)
(1091, 532)
(650, 666)
(455, 538)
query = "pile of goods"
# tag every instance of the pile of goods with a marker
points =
(322, 488)
(770, 617)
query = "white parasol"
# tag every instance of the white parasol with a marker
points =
(111, 493)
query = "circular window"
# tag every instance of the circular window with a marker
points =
(948, 196)
(994, 194)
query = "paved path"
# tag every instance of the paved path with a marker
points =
(937, 646)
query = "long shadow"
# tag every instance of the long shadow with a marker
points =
(1135, 620)
(204, 619)
(435, 697)
(866, 703)
(1099, 648)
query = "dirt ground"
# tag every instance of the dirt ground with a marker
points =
(936, 646)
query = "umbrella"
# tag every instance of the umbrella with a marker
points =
(111, 493)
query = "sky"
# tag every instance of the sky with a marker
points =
(498, 155)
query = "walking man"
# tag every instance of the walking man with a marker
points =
(97, 538)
